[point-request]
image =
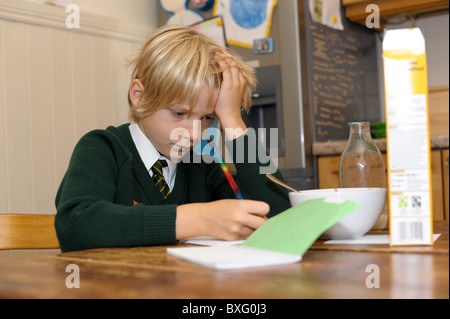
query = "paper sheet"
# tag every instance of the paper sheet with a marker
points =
(212, 28)
(282, 239)
(327, 12)
(296, 229)
(209, 241)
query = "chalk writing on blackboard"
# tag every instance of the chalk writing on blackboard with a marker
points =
(336, 81)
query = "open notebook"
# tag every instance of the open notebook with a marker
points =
(283, 239)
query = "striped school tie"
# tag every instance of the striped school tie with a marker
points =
(158, 178)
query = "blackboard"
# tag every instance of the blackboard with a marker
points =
(343, 78)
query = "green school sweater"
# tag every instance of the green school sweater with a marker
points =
(108, 199)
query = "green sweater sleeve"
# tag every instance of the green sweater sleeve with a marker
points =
(93, 213)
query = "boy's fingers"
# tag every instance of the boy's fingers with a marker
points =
(229, 67)
(223, 53)
(254, 222)
(256, 207)
(246, 232)
(235, 72)
(241, 78)
(225, 71)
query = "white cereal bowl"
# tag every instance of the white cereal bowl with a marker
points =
(356, 224)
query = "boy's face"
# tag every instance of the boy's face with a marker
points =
(175, 130)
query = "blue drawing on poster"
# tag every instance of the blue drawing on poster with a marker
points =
(249, 14)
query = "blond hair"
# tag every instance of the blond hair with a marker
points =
(174, 65)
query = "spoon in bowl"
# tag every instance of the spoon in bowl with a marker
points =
(277, 181)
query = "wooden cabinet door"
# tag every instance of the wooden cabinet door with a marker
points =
(445, 180)
(436, 180)
(328, 167)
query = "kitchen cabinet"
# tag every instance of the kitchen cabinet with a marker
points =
(328, 169)
(445, 181)
(355, 10)
(437, 185)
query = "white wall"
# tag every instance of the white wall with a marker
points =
(56, 84)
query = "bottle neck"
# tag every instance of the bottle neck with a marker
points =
(360, 129)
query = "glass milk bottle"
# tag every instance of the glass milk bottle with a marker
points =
(362, 165)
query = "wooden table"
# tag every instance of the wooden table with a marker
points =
(148, 272)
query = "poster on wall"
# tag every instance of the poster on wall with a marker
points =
(327, 12)
(212, 28)
(180, 13)
(245, 20)
(202, 5)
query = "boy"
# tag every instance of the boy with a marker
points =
(128, 185)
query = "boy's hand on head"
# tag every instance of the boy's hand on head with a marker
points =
(231, 95)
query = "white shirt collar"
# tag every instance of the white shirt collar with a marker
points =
(149, 154)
